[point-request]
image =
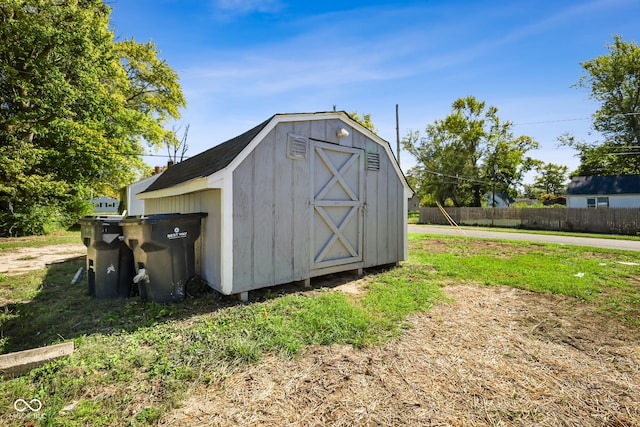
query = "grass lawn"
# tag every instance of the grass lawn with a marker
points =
(58, 238)
(135, 361)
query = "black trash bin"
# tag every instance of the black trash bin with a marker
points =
(164, 253)
(109, 260)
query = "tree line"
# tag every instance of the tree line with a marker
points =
(78, 108)
(472, 152)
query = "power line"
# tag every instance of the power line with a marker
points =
(572, 120)
(457, 177)
(157, 155)
(112, 152)
(552, 121)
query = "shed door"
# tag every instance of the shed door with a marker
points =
(337, 186)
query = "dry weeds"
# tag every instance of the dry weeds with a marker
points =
(496, 356)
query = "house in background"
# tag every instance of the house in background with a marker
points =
(619, 191)
(501, 200)
(105, 204)
(414, 203)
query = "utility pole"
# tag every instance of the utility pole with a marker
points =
(397, 135)
(495, 172)
(493, 211)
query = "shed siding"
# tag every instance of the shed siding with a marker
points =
(301, 204)
(384, 220)
(264, 238)
(283, 208)
(371, 220)
(382, 206)
(270, 214)
(205, 201)
(243, 224)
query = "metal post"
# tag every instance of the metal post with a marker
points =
(493, 182)
(397, 135)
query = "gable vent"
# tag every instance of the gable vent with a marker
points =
(297, 147)
(373, 161)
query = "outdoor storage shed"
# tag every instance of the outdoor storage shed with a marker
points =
(135, 206)
(298, 196)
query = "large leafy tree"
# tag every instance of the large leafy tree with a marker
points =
(468, 153)
(76, 108)
(614, 83)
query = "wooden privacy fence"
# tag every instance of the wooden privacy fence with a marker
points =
(609, 220)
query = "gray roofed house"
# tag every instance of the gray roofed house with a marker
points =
(297, 196)
(500, 200)
(617, 191)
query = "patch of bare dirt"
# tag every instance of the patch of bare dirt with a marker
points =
(495, 248)
(23, 259)
(494, 356)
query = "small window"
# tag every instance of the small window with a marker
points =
(603, 202)
(597, 202)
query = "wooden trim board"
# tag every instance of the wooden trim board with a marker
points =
(23, 361)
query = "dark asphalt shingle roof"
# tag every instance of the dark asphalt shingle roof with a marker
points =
(604, 185)
(208, 162)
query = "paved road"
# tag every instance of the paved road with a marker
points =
(628, 245)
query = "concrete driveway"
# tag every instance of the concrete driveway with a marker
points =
(627, 245)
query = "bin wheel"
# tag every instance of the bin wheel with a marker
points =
(196, 286)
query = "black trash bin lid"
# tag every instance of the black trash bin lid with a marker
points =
(94, 219)
(157, 218)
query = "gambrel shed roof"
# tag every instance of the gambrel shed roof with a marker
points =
(191, 174)
(207, 162)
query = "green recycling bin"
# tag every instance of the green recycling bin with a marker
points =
(109, 260)
(164, 253)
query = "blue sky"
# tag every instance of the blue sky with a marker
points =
(241, 61)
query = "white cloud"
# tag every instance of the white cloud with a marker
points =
(244, 7)
(280, 72)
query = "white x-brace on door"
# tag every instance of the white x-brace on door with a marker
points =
(337, 186)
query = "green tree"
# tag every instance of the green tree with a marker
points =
(76, 108)
(614, 83)
(530, 191)
(468, 153)
(365, 120)
(551, 179)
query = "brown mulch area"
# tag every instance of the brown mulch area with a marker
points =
(496, 356)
